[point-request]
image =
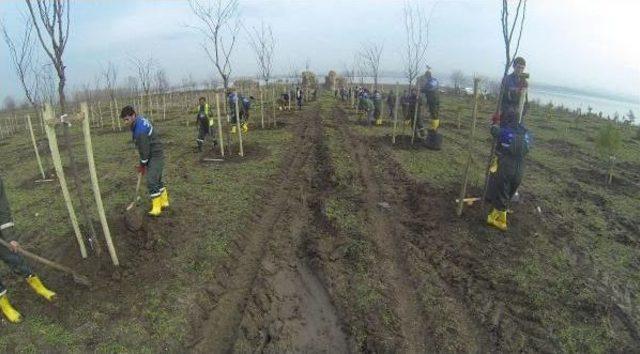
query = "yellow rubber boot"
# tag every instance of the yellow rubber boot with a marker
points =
(164, 198)
(493, 168)
(494, 219)
(40, 289)
(245, 127)
(156, 206)
(435, 123)
(502, 218)
(233, 129)
(379, 121)
(9, 312)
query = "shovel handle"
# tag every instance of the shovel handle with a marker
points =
(137, 196)
(39, 259)
(138, 186)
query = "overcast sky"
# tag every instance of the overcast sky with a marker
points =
(576, 43)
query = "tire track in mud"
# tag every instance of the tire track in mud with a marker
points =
(482, 313)
(395, 231)
(268, 298)
(386, 235)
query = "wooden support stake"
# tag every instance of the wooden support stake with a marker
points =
(415, 116)
(115, 104)
(467, 169)
(238, 126)
(57, 164)
(35, 147)
(273, 108)
(100, 114)
(219, 125)
(395, 114)
(164, 107)
(38, 113)
(188, 118)
(224, 106)
(351, 95)
(86, 131)
(357, 108)
(261, 109)
(113, 121)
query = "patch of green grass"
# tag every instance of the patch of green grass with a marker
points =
(211, 205)
(564, 176)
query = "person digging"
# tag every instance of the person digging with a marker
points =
(204, 121)
(151, 153)
(15, 261)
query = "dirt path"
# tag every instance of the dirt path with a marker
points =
(434, 315)
(386, 235)
(269, 299)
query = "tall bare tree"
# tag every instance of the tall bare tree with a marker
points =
(509, 25)
(22, 60)
(144, 69)
(219, 23)
(370, 55)
(110, 76)
(416, 26)
(46, 84)
(160, 81)
(263, 43)
(132, 87)
(457, 79)
(51, 21)
(50, 18)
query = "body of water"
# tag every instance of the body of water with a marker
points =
(568, 98)
(609, 106)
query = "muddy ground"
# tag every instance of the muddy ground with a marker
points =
(341, 249)
(288, 286)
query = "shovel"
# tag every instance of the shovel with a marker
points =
(80, 279)
(137, 197)
(132, 219)
(468, 201)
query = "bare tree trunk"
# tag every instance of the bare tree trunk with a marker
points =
(612, 160)
(416, 112)
(395, 113)
(273, 107)
(66, 135)
(467, 170)
(261, 109)
(220, 133)
(57, 163)
(239, 128)
(96, 187)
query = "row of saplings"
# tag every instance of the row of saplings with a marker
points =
(511, 138)
(147, 141)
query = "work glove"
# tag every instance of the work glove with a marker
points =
(14, 246)
(142, 169)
